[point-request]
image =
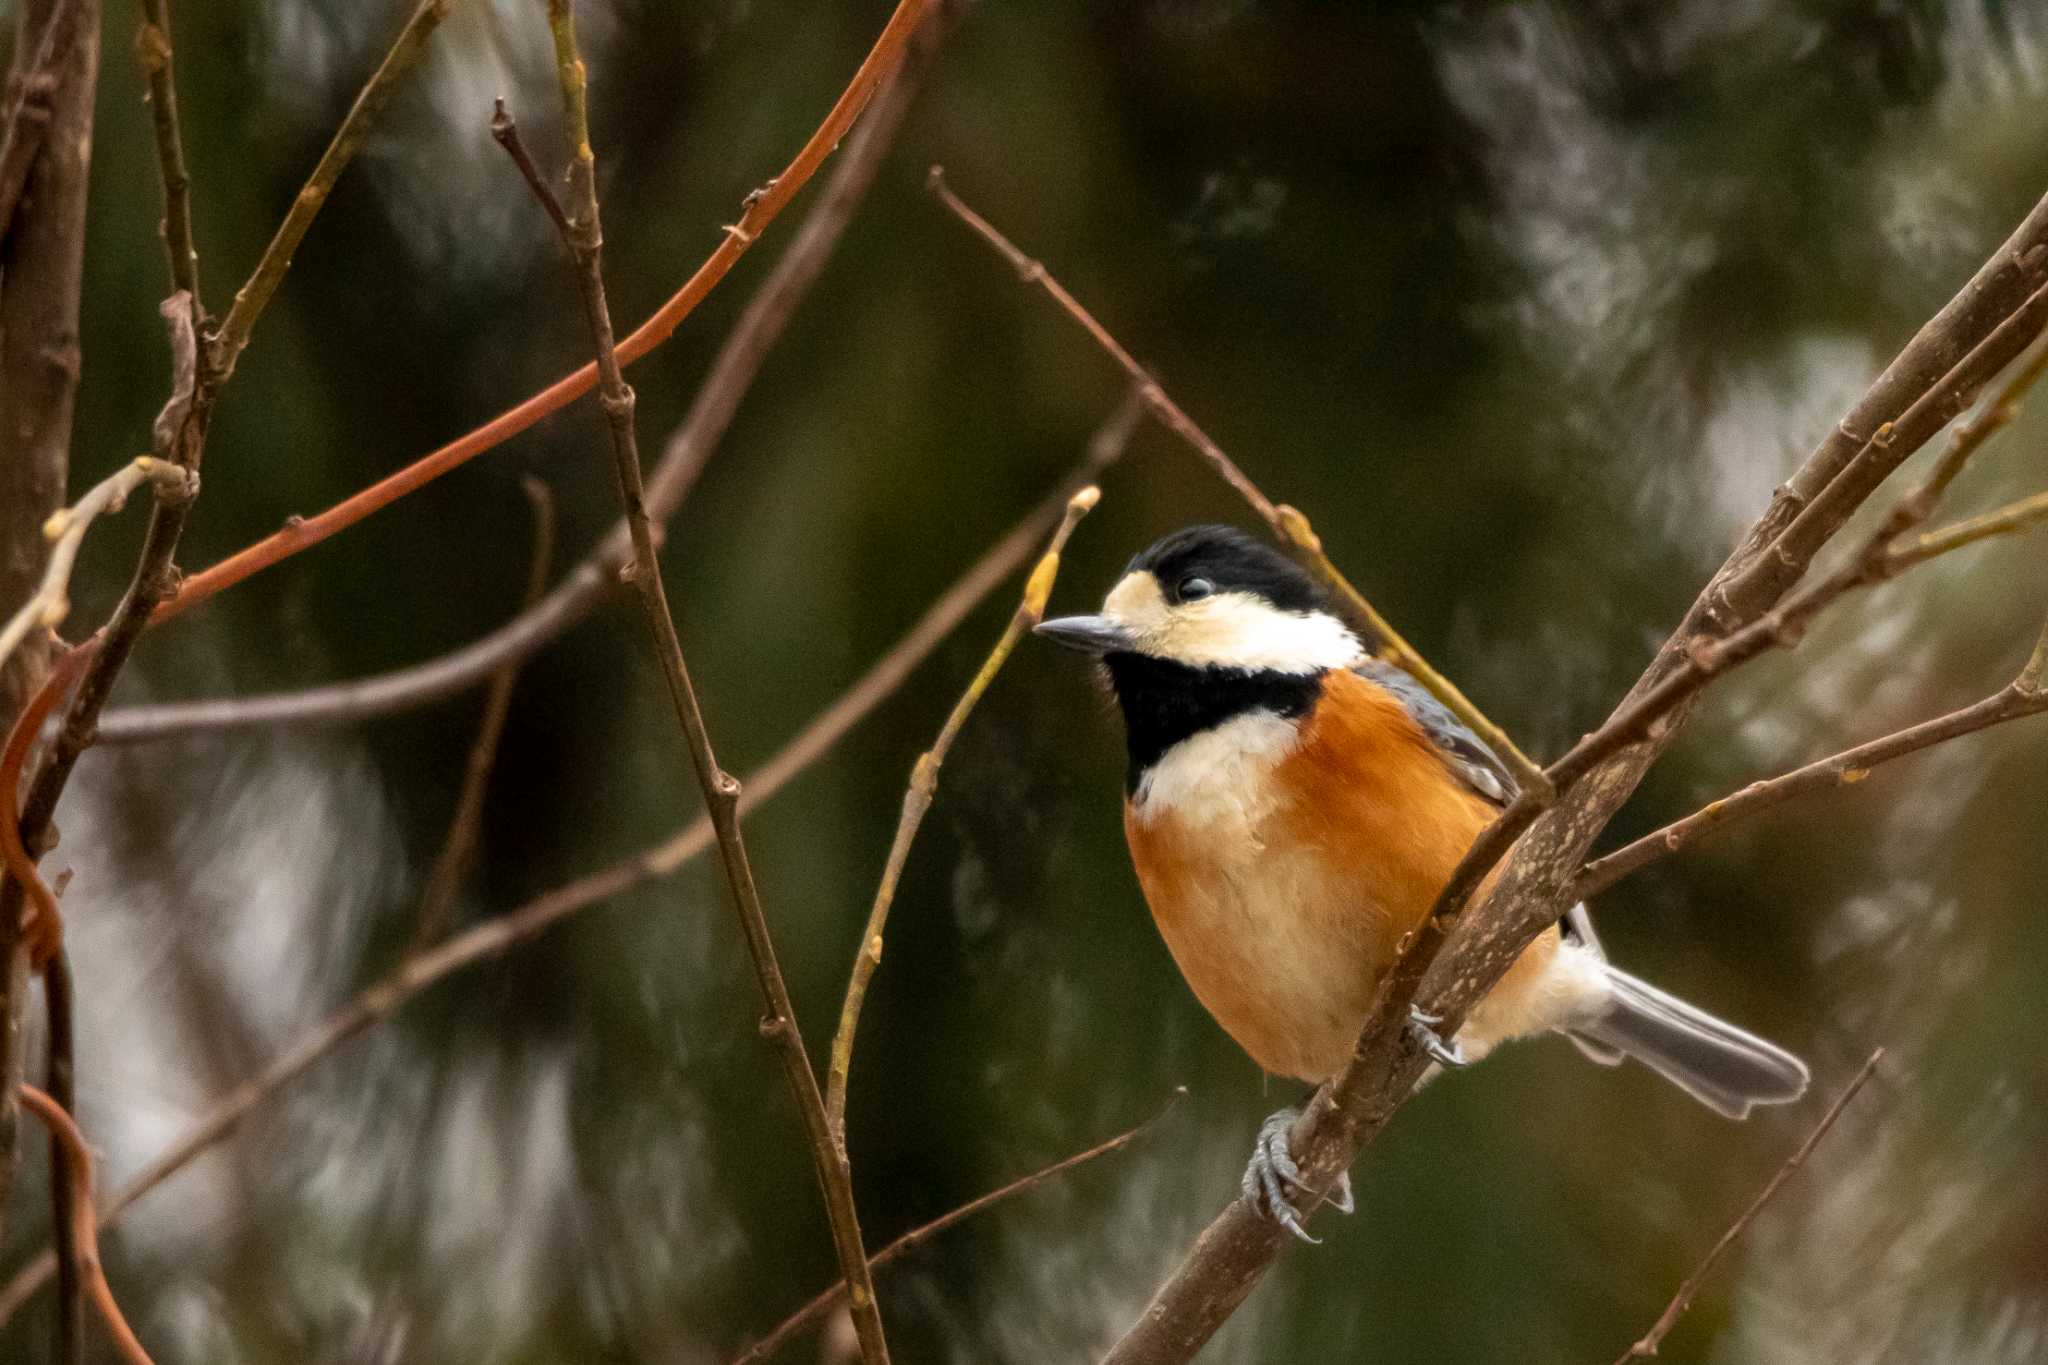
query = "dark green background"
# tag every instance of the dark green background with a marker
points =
(1528, 305)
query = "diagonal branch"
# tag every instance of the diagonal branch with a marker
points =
(917, 799)
(593, 581)
(494, 938)
(1994, 317)
(924, 1232)
(2015, 701)
(762, 208)
(252, 298)
(1286, 523)
(583, 234)
(1651, 1340)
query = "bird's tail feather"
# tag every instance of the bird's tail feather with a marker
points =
(1710, 1059)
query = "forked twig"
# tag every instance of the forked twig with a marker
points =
(2015, 701)
(1648, 1344)
(688, 449)
(66, 529)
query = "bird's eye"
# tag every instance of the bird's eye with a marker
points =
(1194, 588)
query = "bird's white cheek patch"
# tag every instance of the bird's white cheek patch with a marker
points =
(1229, 630)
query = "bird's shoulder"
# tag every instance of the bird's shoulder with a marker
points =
(1464, 753)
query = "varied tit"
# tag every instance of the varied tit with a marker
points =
(1294, 806)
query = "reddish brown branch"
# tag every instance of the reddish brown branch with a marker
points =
(496, 937)
(84, 1224)
(593, 581)
(1651, 1340)
(762, 208)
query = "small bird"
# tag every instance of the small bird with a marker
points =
(1294, 806)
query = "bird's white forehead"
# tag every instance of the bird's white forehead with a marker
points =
(1229, 629)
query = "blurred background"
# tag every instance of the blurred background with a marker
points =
(1529, 305)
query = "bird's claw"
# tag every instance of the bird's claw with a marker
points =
(1273, 1175)
(1422, 1028)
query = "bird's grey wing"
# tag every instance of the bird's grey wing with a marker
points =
(1480, 768)
(1477, 766)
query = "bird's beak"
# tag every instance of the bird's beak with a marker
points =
(1097, 635)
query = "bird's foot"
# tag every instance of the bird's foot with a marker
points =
(1422, 1028)
(1272, 1178)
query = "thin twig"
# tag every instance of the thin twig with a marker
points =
(688, 450)
(66, 530)
(918, 1236)
(437, 900)
(159, 593)
(882, 60)
(60, 1080)
(254, 296)
(1682, 1300)
(493, 938)
(917, 799)
(2021, 515)
(153, 49)
(64, 1135)
(583, 235)
(1996, 315)
(179, 434)
(1286, 523)
(2012, 702)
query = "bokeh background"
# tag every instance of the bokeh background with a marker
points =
(1528, 304)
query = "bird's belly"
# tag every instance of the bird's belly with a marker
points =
(1283, 948)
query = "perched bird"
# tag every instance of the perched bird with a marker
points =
(1294, 806)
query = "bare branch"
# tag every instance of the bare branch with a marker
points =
(60, 1080)
(1846, 768)
(918, 1236)
(917, 799)
(437, 900)
(85, 1227)
(253, 297)
(2021, 515)
(689, 448)
(1286, 523)
(496, 937)
(1947, 358)
(582, 233)
(153, 49)
(1682, 1300)
(66, 529)
(762, 207)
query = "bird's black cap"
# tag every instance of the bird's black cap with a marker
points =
(1233, 562)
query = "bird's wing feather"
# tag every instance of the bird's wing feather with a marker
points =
(1467, 756)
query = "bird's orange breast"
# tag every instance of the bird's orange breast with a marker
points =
(1283, 869)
